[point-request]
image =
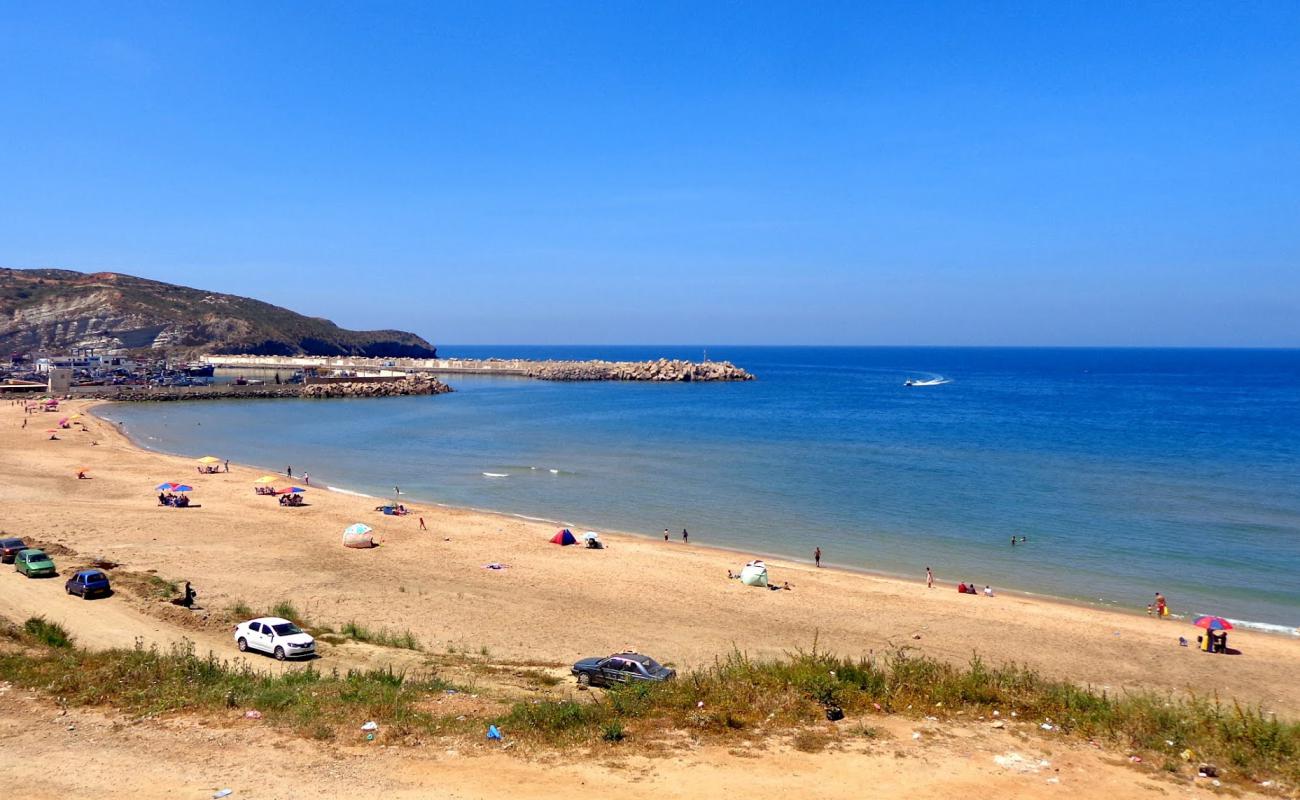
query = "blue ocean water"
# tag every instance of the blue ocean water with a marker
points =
(1129, 471)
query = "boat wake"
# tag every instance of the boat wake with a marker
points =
(937, 380)
(496, 474)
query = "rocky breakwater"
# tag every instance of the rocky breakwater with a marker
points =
(411, 385)
(662, 370)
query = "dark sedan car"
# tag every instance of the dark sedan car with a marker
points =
(619, 669)
(88, 583)
(9, 549)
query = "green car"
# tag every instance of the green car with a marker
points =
(34, 563)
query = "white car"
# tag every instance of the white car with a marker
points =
(279, 637)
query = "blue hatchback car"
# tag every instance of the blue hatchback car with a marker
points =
(88, 583)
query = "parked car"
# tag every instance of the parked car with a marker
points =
(88, 583)
(620, 668)
(9, 549)
(279, 637)
(34, 563)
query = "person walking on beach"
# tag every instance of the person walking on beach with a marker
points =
(306, 479)
(422, 527)
(288, 471)
(665, 534)
(929, 578)
(686, 537)
(227, 465)
(817, 556)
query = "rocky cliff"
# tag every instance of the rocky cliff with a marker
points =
(57, 310)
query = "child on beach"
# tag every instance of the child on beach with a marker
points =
(929, 578)
(817, 556)
(686, 537)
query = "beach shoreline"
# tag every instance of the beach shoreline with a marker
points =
(672, 601)
(734, 552)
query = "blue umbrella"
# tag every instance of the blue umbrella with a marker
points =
(174, 487)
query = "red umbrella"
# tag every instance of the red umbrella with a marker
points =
(1212, 623)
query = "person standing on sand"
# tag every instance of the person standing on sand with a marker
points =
(227, 465)
(288, 471)
(306, 479)
(665, 534)
(422, 524)
(817, 556)
(929, 578)
(686, 537)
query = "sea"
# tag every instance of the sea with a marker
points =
(1127, 471)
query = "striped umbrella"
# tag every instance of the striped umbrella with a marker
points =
(1212, 623)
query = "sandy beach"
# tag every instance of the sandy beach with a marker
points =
(562, 603)
(552, 605)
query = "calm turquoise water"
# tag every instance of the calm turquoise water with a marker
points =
(1130, 471)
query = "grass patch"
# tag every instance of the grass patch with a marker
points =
(287, 610)
(50, 634)
(383, 637)
(152, 681)
(242, 610)
(735, 699)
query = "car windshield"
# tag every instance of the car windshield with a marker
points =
(286, 629)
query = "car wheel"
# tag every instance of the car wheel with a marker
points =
(279, 654)
(67, 589)
(243, 645)
(584, 679)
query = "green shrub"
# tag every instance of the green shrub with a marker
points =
(47, 633)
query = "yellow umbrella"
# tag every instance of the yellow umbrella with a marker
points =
(267, 479)
(209, 460)
(75, 416)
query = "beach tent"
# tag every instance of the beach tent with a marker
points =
(564, 537)
(358, 535)
(754, 574)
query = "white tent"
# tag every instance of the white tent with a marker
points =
(358, 535)
(754, 574)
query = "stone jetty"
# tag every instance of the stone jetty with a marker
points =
(661, 370)
(397, 387)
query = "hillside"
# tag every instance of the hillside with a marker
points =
(55, 310)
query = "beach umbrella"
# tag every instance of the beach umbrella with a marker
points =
(357, 529)
(589, 535)
(172, 486)
(209, 460)
(292, 490)
(75, 416)
(1212, 623)
(267, 479)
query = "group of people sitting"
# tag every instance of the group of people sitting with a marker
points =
(264, 489)
(398, 510)
(173, 500)
(290, 499)
(969, 588)
(210, 469)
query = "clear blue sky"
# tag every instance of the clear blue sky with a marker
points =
(855, 173)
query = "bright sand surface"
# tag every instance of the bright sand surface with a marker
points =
(559, 603)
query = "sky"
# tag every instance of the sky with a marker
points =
(961, 173)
